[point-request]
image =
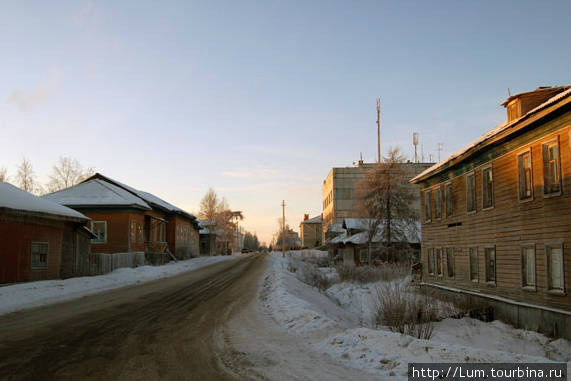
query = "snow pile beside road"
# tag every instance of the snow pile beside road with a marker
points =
(338, 321)
(34, 294)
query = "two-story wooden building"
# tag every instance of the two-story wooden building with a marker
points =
(496, 222)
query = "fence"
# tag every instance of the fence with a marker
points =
(105, 263)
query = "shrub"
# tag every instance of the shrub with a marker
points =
(369, 274)
(406, 312)
(313, 277)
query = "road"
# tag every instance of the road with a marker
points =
(162, 330)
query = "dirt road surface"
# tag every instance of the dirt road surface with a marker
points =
(162, 330)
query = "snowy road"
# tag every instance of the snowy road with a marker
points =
(160, 330)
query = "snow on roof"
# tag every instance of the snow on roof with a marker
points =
(13, 198)
(94, 193)
(488, 135)
(146, 196)
(314, 220)
(411, 234)
(357, 223)
(336, 228)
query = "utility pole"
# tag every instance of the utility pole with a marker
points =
(283, 228)
(378, 130)
(439, 150)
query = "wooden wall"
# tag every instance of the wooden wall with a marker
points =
(509, 223)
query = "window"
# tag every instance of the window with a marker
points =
(555, 268)
(450, 262)
(39, 251)
(427, 207)
(449, 200)
(474, 264)
(487, 188)
(437, 203)
(551, 168)
(470, 193)
(431, 261)
(528, 266)
(140, 232)
(99, 228)
(133, 231)
(439, 261)
(525, 176)
(363, 257)
(490, 264)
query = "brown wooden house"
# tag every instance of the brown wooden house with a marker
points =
(39, 239)
(496, 222)
(126, 219)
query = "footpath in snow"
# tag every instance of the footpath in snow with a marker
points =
(339, 322)
(34, 294)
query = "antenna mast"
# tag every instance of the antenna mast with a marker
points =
(378, 130)
(415, 143)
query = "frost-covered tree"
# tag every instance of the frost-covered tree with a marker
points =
(387, 201)
(66, 173)
(3, 174)
(216, 209)
(26, 179)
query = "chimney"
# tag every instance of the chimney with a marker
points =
(306, 217)
(520, 104)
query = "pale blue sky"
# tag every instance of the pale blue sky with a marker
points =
(259, 99)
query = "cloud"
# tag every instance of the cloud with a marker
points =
(264, 173)
(28, 100)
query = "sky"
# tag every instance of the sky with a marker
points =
(260, 99)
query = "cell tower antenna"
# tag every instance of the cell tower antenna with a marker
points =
(415, 143)
(439, 150)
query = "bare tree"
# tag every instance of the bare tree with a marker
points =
(386, 199)
(209, 205)
(3, 174)
(66, 173)
(26, 179)
(215, 209)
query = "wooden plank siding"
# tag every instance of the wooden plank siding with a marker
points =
(510, 223)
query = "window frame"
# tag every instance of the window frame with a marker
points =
(488, 281)
(437, 191)
(39, 266)
(133, 231)
(524, 281)
(477, 278)
(96, 240)
(547, 247)
(431, 261)
(448, 199)
(450, 258)
(475, 197)
(484, 169)
(545, 146)
(427, 206)
(439, 263)
(519, 172)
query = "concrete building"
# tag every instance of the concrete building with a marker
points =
(338, 192)
(311, 231)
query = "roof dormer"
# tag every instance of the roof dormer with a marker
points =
(520, 104)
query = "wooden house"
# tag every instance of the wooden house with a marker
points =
(39, 239)
(497, 215)
(126, 219)
(207, 237)
(311, 231)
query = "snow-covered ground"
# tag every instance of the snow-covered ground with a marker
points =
(34, 294)
(340, 322)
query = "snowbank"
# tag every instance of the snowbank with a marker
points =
(338, 322)
(33, 294)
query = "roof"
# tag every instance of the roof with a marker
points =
(93, 193)
(12, 198)
(542, 89)
(314, 220)
(357, 223)
(146, 196)
(470, 149)
(411, 233)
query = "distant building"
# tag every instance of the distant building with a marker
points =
(40, 239)
(311, 231)
(338, 193)
(496, 225)
(207, 237)
(125, 219)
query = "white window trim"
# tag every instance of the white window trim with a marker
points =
(489, 166)
(39, 267)
(94, 241)
(523, 286)
(548, 273)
